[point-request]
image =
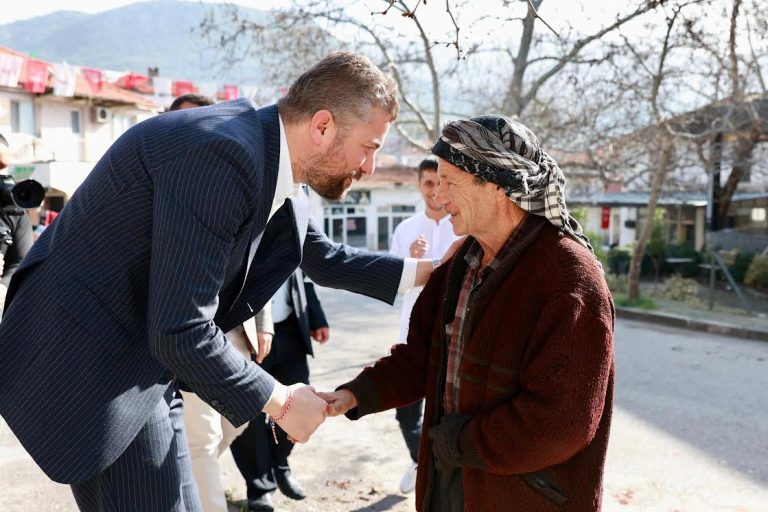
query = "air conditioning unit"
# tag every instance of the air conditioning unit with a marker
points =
(101, 115)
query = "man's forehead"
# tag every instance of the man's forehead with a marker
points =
(429, 174)
(445, 168)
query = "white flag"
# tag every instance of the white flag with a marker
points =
(163, 86)
(10, 69)
(208, 89)
(65, 80)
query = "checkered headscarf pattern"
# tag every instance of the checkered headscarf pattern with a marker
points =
(505, 152)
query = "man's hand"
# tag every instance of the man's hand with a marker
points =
(306, 412)
(419, 247)
(320, 335)
(339, 402)
(264, 341)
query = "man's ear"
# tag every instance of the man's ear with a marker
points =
(322, 128)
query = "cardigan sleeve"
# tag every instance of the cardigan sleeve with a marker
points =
(400, 378)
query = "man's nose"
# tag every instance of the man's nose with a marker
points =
(369, 165)
(440, 194)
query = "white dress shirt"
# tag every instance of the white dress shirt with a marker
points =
(439, 236)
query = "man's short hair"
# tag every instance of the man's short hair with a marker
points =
(428, 164)
(197, 99)
(346, 84)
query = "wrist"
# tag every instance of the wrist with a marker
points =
(436, 262)
(277, 400)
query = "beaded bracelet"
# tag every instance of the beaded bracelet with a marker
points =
(283, 412)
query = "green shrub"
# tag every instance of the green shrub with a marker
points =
(618, 260)
(684, 250)
(617, 284)
(597, 244)
(757, 274)
(741, 265)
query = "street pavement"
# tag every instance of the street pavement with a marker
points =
(690, 428)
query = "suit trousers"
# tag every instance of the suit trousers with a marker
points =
(154, 474)
(255, 451)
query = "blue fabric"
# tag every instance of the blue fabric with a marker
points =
(157, 459)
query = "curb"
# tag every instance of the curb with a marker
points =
(693, 324)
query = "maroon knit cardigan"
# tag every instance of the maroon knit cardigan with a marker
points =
(536, 379)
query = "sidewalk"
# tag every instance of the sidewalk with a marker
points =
(674, 314)
(725, 318)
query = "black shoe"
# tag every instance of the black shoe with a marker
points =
(261, 504)
(288, 485)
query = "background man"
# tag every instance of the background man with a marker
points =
(517, 364)
(428, 234)
(263, 460)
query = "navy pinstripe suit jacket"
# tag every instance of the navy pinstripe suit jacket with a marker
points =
(161, 250)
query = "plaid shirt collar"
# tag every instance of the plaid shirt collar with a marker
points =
(475, 275)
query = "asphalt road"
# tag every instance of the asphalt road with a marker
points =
(690, 430)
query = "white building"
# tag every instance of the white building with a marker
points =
(56, 140)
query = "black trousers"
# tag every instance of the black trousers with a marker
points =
(409, 418)
(255, 452)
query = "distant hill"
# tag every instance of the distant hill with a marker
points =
(158, 33)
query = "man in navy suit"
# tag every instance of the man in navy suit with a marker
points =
(135, 303)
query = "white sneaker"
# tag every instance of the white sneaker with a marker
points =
(408, 482)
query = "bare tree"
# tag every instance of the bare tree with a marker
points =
(437, 69)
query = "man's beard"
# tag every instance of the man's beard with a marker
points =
(322, 172)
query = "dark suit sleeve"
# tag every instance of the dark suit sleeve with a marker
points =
(340, 266)
(201, 201)
(315, 311)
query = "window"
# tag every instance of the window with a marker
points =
(122, 123)
(23, 119)
(346, 224)
(388, 219)
(74, 120)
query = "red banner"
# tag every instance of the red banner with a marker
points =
(605, 219)
(133, 81)
(230, 92)
(37, 76)
(94, 77)
(181, 87)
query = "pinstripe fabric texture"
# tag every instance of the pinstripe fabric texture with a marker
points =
(153, 474)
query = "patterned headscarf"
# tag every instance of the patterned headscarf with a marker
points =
(504, 152)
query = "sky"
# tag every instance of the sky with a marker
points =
(24, 9)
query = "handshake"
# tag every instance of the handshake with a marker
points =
(299, 409)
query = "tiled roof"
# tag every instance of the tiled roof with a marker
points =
(108, 94)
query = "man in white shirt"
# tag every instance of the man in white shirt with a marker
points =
(428, 234)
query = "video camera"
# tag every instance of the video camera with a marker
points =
(14, 199)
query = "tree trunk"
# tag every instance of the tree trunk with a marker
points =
(742, 163)
(665, 160)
